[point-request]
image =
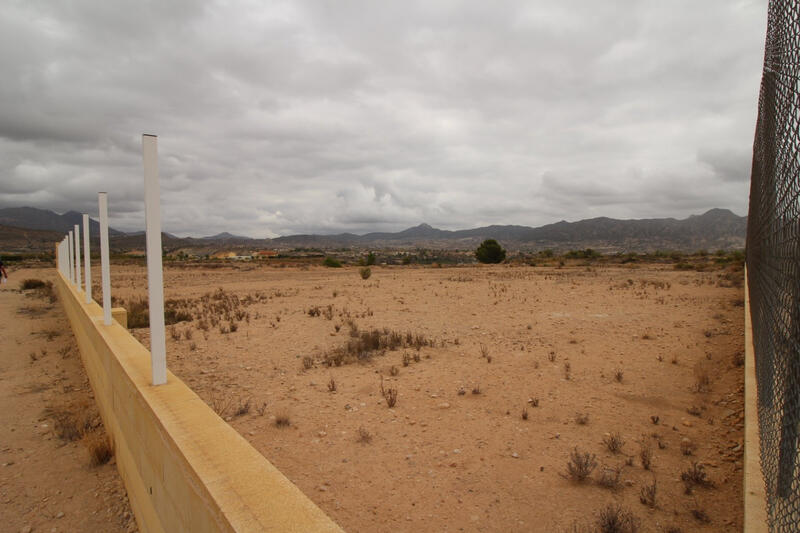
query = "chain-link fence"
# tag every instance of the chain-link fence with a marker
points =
(773, 264)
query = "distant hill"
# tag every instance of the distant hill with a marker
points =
(714, 229)
(225, 236)
(23, 240)
(44, 219)
(717, 228)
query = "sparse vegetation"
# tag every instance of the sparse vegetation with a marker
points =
(389, 394)
(614, 442)
(365, 272)
(99, 447)
(331, 262)
(645, 454)
(364, 436)
(580, 465)
(615, 519)
(610, 477)
(29, 284)
(695, 476)
(363, 345)
(647, 495)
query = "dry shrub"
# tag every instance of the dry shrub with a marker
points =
(702, 379)
(582, 419)
(221, 405)
(364, 436)
(308, 362)
(28, 284)
(71, 424)
(688, 447)
(99, 447)
(282, 420)
(614, 442)
(645, 454)
(363, 345)
(618, 375)
(332, 385)
(243, 407)
(648, 495)
(610, 477)
(580, 465)
(390, 395)
(615, 519)
(695, 476)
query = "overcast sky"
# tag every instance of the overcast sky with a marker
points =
(289, 117)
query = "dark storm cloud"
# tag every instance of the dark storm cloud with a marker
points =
(292, 117)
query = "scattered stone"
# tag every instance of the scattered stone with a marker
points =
(515, 455)
(60, 514)
(444, 405)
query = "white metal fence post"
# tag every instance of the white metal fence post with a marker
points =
(105, 268)
(155, 275)
(78, 256)
(71, 260)
(87, 260)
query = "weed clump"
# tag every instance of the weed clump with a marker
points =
(363, 345)
(695, 476)
(99, 448)
(614, 442)
(615, 519)
(580, 465)
(648, 495)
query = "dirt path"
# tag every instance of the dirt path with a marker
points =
(47, 482)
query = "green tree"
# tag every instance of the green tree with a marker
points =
(490, 251)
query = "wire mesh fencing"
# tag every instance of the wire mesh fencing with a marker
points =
(773, 264)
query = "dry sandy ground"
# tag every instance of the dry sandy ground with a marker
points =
(445, 461)
(47, 483)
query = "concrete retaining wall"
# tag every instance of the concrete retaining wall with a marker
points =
(184, 468)
(755, 496)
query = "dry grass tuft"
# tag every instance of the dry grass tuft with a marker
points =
(390, 395)
(645, 454)
(614, 442)
(282, 420)
(648, 495)
(580, 465)
(610, 477)
(364, 436)
(100, 448)
(615, 519)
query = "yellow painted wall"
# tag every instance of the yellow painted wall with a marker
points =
(755, 494)
(185, 469)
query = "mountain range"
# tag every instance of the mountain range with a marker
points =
(714, 229)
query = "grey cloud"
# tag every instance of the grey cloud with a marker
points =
(291, 117)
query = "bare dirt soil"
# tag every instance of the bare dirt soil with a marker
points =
(506, 372)
(48, 423)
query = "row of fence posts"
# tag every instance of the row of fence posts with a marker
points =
(69, 258)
